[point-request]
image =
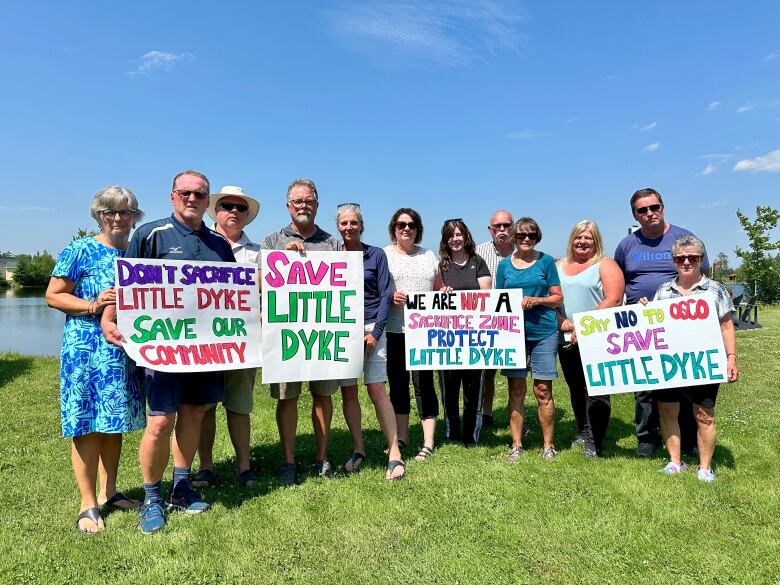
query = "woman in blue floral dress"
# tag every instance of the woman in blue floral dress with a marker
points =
(100, 395)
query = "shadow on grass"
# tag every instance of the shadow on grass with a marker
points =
(13, 365)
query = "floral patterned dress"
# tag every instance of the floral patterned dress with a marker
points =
(99, 389)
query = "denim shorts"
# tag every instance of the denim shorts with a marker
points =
(167, 391)
(374, 364)
(540, 353)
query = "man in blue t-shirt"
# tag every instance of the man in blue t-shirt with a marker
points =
(176, 401)
(645, 257)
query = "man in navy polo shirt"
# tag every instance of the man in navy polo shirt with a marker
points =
(176, 401)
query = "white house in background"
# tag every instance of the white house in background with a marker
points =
(7, 268)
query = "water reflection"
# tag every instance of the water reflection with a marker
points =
(27, 325)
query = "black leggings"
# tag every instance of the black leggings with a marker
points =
(449, 385)
(590, 412)
(398, 378)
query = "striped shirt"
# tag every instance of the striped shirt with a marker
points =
(491, 256)
(723, 303)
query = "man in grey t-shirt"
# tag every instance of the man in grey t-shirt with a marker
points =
(302, 234)
(492, 252)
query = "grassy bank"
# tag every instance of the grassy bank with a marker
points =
(463, 516)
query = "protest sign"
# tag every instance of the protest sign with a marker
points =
(475, 329)
(312, 315)
(189, 316)
(666, 344)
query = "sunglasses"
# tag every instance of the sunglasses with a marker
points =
(227, 206)
(692, 259)
(520, 236)
(402, 225)
(655, 207)
(499, 226)
(185, 194)
(350, 203)
(453, 220)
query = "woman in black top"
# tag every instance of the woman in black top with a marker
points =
(461, 268)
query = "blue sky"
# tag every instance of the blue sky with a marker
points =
(557, 110)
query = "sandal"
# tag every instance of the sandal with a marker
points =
(391, 465)
(204, 478)
(92, 514)
(120, 501)
(354, 462)
(247, 476)
(425, 453)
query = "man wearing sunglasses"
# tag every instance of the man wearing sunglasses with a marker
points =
(645, 257)
(176, 401)
(493, 251)
(232, 210)
(303, 234)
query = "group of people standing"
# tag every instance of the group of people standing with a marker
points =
(104, 395)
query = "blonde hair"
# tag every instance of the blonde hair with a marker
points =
(598, 243)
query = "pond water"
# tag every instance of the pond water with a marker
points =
(27, 325)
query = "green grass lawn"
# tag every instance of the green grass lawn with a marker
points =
(464, 516)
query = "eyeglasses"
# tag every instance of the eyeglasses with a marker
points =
(123, 214)
(691, 258)
(501, 226)
(348, 203)
(302, 202)
(402, 225)
(453, 220)
(185, 194)
(520, 236)
(227, 206)
(655, 207)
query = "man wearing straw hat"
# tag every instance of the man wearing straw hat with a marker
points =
(232, 210)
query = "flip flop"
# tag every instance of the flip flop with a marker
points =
(92, 514)
(391, 465)
(354, 462)
(245, 477)
(114, 502)
(204, 478)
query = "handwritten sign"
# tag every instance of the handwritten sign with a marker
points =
(666, 344)
(312, 315)
(189, 316)
(476, 329)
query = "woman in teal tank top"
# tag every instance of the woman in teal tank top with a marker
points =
(589, 281)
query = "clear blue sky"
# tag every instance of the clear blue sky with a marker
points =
(557, 110)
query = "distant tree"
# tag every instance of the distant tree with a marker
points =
(6, 255)
(720, 267)
(84, 233)
(33, 270)
(759, 270)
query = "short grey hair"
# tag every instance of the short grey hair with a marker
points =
(303, 183)
(110, 198)
(191, 172)
(687, 241)
(350, 208)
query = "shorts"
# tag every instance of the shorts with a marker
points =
(167, 391)
(374, 364)
(239, 391)
(287, 390)
(704, 395)
(541, 356)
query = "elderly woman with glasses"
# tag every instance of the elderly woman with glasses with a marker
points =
(377, 299)
(460, 268)
(100, 396)
(535, 273)
(412, 269)
(688, 253)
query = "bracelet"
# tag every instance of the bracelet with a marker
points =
(730, 353)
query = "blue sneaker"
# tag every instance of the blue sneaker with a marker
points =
(151, 516)
(705, 474)
(186, 499)
(674, 468)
